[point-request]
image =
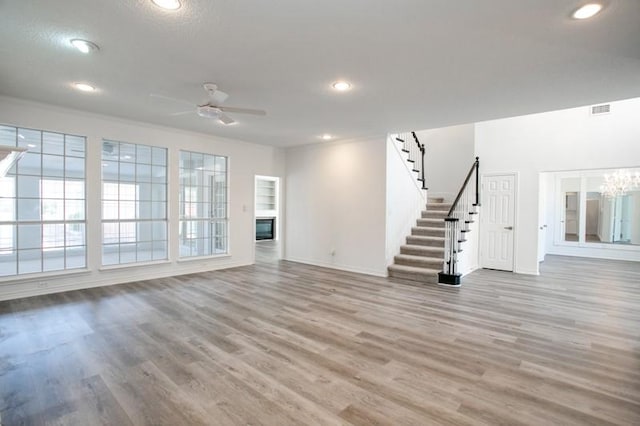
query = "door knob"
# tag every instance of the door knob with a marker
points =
(510, 228)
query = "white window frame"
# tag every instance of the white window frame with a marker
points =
(218, 213)
(49, 244)
(130, 208)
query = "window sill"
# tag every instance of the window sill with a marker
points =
(194, 258)
(39, 276)
(133, 265)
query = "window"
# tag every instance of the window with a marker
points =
(42, 203)
(134, 203)
(203, 204)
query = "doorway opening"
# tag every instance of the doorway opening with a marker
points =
(267, 222)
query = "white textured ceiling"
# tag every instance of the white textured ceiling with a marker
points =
(414, 64)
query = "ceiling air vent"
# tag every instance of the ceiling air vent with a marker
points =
(600, 109)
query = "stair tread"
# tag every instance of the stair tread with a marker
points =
(415, 247)
(425, 237)
(413, 269)
(433, 219)
(419, 258)
(422, 247)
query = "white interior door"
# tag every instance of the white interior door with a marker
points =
(498, 217)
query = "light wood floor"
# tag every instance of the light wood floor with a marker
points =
(282, 343)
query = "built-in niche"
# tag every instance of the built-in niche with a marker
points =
(266, 209)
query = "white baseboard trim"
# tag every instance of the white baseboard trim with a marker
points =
(473, 268)
(30, 289)
(526, 272)
(339, 267)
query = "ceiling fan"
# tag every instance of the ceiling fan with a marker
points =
(213, 108)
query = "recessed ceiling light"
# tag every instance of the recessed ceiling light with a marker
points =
(84, 87)
(326, 137)
(587, 11)
(167, 4)
(84, 46)
(341, 86)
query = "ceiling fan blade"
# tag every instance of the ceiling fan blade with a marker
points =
(191, 111)
(242, 110)
(169, 98)
(218, 97)
(225, 119)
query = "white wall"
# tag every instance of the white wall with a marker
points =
(335, 210)
(543, 201)
(570, 139)
(405, 199)
(448, 158)
(245, 161)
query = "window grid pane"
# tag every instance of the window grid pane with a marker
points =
(203, 205)
(42, 203)
(134, 211)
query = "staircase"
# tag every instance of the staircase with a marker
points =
(422, 258)
(432, 251)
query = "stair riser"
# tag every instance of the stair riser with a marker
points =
(430, 278)
(438, 207)
(424, 242)
(431, 223)
(426, 232)
(429, 264)
(433, 215)
(423, 251)
(438, 214)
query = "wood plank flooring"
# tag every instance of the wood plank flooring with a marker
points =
(281, 343)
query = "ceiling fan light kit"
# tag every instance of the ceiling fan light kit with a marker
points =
(208, 111)
(213, 108)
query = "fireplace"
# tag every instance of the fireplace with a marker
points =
(265, 228)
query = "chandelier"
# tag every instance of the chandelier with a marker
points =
(619, 182)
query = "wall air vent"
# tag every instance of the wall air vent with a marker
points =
(600, 109)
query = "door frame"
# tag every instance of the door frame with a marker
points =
(516, 183)
(279, 232)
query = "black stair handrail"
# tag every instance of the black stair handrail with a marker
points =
(474, 167)
(422, 150)
(415, 153)
(458, 217)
